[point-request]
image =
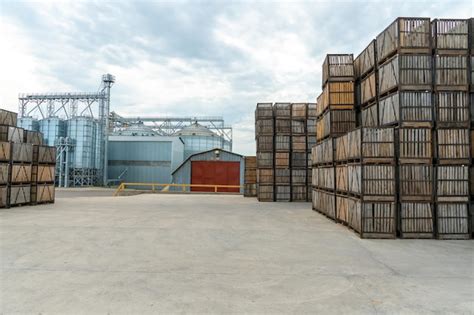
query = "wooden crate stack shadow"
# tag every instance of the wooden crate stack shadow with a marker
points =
(19, 169)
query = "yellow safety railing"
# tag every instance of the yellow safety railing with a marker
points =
(153, 186)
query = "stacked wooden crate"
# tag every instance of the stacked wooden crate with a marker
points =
(404, 88)
(264, 130)
(282, 150)
(250, 176)
(323, 178)
(335, 105)
(365, 181)
(471, 99)
(283, 154)
(450, 38)
(299, 152)
(21, 165)
(310, 143)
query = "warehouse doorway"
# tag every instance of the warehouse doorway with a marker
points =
(215, 173)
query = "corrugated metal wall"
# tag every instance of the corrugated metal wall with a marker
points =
(146, 159)
(183, 174)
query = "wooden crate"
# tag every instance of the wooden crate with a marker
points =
(298, 143)
(452, 220)
(324, 202)
(334, 123)
(416, 182)
(265, 143)
(368, 89)
(324, 178)
(250, 176)
(282, 176)
(282, 110)
(311, 141)
(451, 73)
(11, 134)
(312, 111)
(282, 126)
(43, 173)
(368, 219)
(42, 193)
(282, 160)
(265, 176)
(265, 192)
(415, 145)
(453, 146)
(282, 193)
(406, 108)
(250, 190)
(264, 159)
(365, 62)
(250, 162)
(299, 111)
(4, 173)
(452, 109)
(404, 35)
(336, 95)
(416, 220)
(299, 177)
(311, 127)
(33, 137)
(372, 182)
(338, 67)
(405, 73)
(371, 145)
(22, 152)
(298, 127)
(264, 110)
(323, 153)
(264, 127)
(19, 194)
(450, 36)
(20, 173)
(5, 151)
(369, 116)
(3, 196)
(299, 193)
(452, 183)
(8, 118)
(299, 159)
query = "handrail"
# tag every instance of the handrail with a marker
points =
(122, 186)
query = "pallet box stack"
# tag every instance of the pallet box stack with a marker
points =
(20, 166)
(323, 178)
(264, 130)
(335, 108)
(311, 142)
(250, 176)
(283, 154)
(299, 152)
(471, 99)
(366, 181)
(404, 61)
(450, 38)
(366, 77)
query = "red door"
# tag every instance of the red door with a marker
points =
(215, 173)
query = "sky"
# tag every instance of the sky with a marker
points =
(190, 58)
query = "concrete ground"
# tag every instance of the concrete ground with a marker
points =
(90, 253)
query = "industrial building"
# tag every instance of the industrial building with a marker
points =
(212, 167)
(142, 149)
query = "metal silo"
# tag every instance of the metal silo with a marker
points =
(81, 129)
(198, 138)
(52, 129)
(28, 123)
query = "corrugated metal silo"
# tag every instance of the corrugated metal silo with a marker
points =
(81, 129)
(52, 129)
(28, 123)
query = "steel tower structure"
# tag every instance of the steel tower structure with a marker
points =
(168, 126)
(95, 105)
